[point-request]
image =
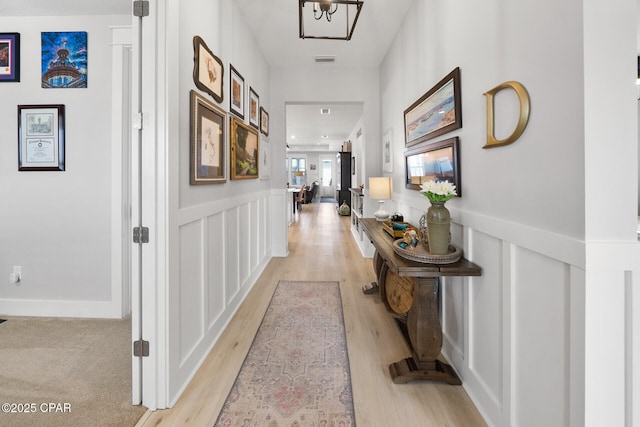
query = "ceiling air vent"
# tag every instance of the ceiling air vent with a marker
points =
(324, 59)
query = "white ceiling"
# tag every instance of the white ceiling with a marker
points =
(275, 27)
(306, 126)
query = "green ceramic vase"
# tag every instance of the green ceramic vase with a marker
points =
(438, 228)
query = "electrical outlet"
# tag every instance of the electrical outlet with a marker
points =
(16, 275)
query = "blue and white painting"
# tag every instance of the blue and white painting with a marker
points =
(64, 59)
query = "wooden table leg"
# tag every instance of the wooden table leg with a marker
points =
(373, 287)
(424, 333)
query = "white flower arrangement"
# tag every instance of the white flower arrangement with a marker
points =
(440, 191)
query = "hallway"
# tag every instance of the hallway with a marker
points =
(321, 248)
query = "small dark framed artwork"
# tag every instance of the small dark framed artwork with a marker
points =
(41, 138)
(208, 71)
(254, 108)
(207, 158)
(436, 112)
(64, 60)
(236, 103)
(9, 57)
(435, 162)
(264, 122)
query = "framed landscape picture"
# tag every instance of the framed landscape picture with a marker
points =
(236, 102)
(41, 138)
(434, 162)
(207, 126)
(208, 71)
(437, 112)
(244, 162)
(9, 57)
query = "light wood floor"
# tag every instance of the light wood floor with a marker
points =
(321, 248)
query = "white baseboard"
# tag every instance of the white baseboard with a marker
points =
(61, 308)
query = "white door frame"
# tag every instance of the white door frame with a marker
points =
(121, 181)
(152, 36)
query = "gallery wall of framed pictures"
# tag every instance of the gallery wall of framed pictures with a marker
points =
(41, 127)
(437, 112)
(248, 123)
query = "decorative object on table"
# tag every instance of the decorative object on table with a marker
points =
(316, 20)
(395, 229)
(9, 57)
(381, 188)
(397, 217)
(264, 122)
(421, 253)
(64, 59)
(437, 161)
(437, 112)
(244, 150)
(208, 71)
(236, 90)
(344, 209)
(422, 228)
(41, 138)
(438, 216)
(207, 129)
(410, 239)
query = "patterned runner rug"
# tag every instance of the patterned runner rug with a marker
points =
(297, 370)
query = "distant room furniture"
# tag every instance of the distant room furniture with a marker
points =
(344, 183)
(294, 194)
(301, 197)
(311, 192)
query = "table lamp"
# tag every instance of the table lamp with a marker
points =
(381, 188)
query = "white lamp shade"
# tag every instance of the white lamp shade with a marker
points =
(380, 188)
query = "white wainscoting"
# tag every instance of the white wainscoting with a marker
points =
(223, 248)
(515, 334)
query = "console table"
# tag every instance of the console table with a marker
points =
(411, 288)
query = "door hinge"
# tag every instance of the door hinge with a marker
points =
(140, 8)
(139, 120)
(141, 348)
(140, 234)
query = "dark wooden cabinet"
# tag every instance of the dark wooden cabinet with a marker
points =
(344, 182)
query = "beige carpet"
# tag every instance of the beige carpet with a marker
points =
(66, 372)
(297, 370)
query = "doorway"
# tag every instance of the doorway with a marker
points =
(327, 175)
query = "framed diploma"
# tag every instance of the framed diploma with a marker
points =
(41, 137)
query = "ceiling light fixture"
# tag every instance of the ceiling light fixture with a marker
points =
(346, 12)
(325, 9)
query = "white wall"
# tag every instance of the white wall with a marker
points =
(219, 235)
(518, 334)
(57, 225)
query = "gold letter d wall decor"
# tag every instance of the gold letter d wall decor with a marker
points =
(525, 106)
